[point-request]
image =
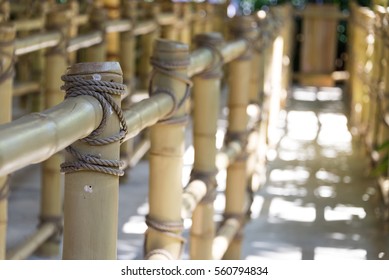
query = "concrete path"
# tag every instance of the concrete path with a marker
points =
(317, 203)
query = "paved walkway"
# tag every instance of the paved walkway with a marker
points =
(317, 203)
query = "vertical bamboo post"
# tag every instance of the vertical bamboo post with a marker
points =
(98, 16)
(236, 186)
(7, 36)
(163, 239)
(207, 93)
(186, 15)
(92, 186)
(147, 43)
(210, 17)
(52, 181)
(113, 38)
(127, 61)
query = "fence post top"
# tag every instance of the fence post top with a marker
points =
(163, 45)
(86, 68)
(215, 38)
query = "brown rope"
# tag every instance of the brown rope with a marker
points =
(102, 91)
(214, 70)
(170, 69)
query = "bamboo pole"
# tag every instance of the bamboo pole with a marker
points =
(163, 239)
(7, 35)
(237, 130)
(36, 42)
(127, 61)
(147, 42)
(28, 247)
(91, 197)
(51, 193)
(113, 38)
(207, 92)
(186, 16)
(36, 137)
(97, 19)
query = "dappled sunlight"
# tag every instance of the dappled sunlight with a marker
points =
(281, 209)
(325, 192)
(327, 176)
(344, 213)
(302, 125)
(298, 174)
(135, 225)
(289, 190)
(328, 253)
(329, 94)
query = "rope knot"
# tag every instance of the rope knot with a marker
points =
(101, 90)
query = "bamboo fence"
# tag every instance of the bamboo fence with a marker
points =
(92, 169)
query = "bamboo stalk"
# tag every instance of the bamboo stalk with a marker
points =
(28, 247)
(52, 130)
(200, 59)
(238, 101)
(29, 24)
(7, 35)
(207, 94)
(127, 61)
(97, 19)
(146, 41)
(51, 193)
(145, 27)
(36, 42)
(85, 41)
(193, 194)
(166, 161)
(91, 198)
(224, 237)
(26, 88)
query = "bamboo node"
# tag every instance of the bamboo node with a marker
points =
(169, 69)
(102, 91)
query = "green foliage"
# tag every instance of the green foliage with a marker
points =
(382, 166)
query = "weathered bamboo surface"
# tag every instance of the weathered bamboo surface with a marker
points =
(36, 137)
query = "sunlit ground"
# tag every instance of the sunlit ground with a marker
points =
(317, 202)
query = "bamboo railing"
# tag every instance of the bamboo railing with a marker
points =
(91, 182)
(369, 88)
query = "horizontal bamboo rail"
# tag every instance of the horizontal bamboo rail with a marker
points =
(25, 88)
(33, 242)
(60, 126)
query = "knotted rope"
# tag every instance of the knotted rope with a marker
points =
(171, 69)
(101, 90)
(213, 71)
(170, 229)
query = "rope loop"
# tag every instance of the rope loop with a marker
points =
(214, 70)
(101, 90)
(171, 69)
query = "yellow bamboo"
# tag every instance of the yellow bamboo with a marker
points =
(28, 247)
(207, 91)
(112, 38)
(319, 37)
(97, 19)
(127, 61)
(7, 35)
(51, 194)
(186, 16)
(91, 198)
(147, 43)
(36, 42)
(237, 130)
(163, 238)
